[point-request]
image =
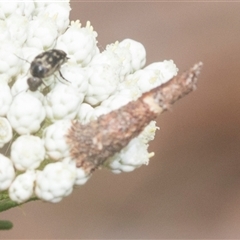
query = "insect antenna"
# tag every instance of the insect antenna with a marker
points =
(22, 58)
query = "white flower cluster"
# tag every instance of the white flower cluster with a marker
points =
(33, 124)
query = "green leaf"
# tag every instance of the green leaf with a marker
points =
(5, 225)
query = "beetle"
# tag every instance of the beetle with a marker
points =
(44, 65)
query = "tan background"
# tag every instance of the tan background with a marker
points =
(191, 188)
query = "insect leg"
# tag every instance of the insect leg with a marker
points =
(63, 76)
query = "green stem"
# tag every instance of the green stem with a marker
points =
(6, 203)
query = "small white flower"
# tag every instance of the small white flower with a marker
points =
(5, 35)
(147, 79)
(27, 152)
(167, 69)
(124, 57)
(5, 98)
(59, 11)
(22, 187)
(133, 156)
(148, 132)
(55, 181)
(40, 7)
(17, 27)
(86, 113)
(129, 88)
(79, 43)
(5, 131)
(10, 63)
(26, 113)
(100, 110)
(54, 140)
(7, 172)
(29, 7)
(107, 57)
(153, 75)
(45, 35)
(137, 51)
(103, 82)
(81, 176)
(13, 7)
(118, 100)
(62, 102)
(76, 75)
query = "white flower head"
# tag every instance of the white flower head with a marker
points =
(81, 175)
(59, 11)
(13, 7)
(137, 52)
(79, 43)
(10, 63)
(103, 81)
(7, 172)
(124, 57)
(133, 156)
(62, 102)
(55, 181)
(5, 131)
(107, 58)
(149, 131)
(27, 152)
(22, 187)
(153, 75)
(86, 113)
(5, 35)
(5, 98)
(54, 140)
(26, 113)
(46, 35)
(76, 76)
(17, 27)
(166, 69)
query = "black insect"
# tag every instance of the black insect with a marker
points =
(44, 65)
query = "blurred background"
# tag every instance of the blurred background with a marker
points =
(191, 188)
